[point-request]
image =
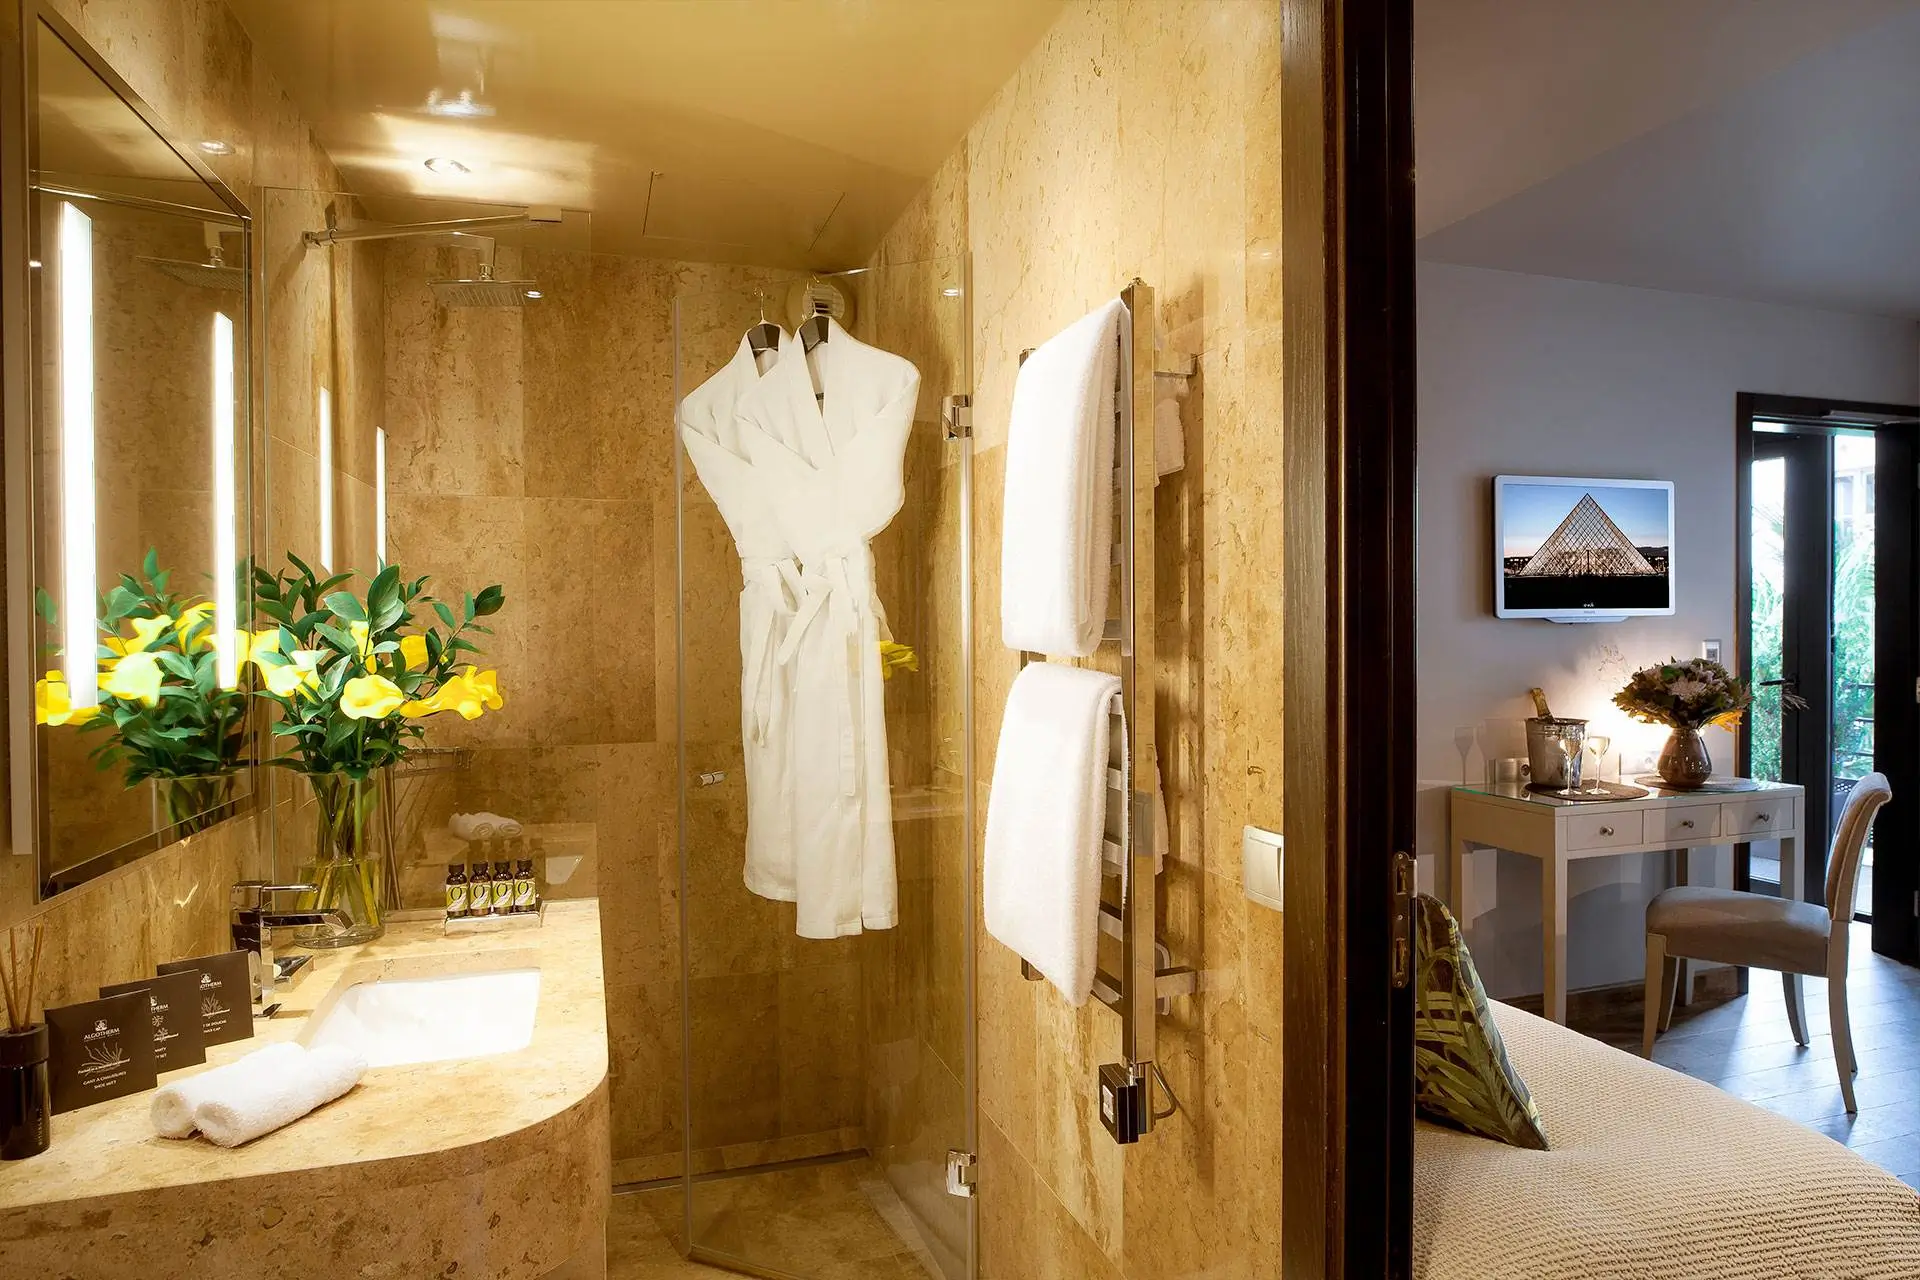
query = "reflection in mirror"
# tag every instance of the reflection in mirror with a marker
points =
(138, 492)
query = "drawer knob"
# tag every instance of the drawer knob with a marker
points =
(1606, 831)
(1686, 824)
(1763, 817)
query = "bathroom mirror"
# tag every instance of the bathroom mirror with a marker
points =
(129, 446)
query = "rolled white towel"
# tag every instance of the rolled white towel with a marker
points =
(173, 1105)
(473, 826)
(508, 827)
(258, 1103)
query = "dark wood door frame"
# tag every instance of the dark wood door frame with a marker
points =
(1896, 694)
(1347, 246)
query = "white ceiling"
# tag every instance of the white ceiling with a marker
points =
(1766, 149)
(786, 132)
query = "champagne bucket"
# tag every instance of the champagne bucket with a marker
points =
(1554, 746)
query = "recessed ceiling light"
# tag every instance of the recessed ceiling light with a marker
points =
(534, 293)
(216, 146)
(445, 165)
(462, 106)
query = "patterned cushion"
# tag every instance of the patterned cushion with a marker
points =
(1461, 1076)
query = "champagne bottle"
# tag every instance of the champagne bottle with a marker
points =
(1540, 704)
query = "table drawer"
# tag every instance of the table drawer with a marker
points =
(1756, 817)
(1694, 824)
(1605, 830)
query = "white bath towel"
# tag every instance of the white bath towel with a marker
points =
(1046, 818)
(472, 827)
(1057, 527)
(502, 826)
(260, 1102)
(1169, 439)
(173, 1105)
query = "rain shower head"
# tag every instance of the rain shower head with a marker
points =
(214, 273)
(485, 291)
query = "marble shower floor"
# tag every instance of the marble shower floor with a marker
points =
(824, 1222)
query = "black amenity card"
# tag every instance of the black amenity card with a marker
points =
(101, 1049)
(225, 994)
(178, 1039)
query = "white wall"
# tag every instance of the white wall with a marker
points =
(1530, 375)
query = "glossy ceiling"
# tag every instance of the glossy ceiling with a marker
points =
(784, 132)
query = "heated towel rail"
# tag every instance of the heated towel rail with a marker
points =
(1146, 980)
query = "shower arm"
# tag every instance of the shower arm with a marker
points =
(536, 216)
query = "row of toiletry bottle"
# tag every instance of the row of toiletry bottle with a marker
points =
(509, 889)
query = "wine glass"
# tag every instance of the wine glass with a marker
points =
(1597, 745)
(1569, 746)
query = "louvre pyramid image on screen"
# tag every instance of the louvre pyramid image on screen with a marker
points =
(1588, 544)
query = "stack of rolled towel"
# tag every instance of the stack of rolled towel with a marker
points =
(263, 1091)
(473, 827)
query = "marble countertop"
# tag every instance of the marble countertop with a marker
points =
(402, 1127)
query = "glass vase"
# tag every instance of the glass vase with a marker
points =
(346, 870)
(1685, 762)
(183, 806)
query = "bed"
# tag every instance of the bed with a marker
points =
(1652, 1176)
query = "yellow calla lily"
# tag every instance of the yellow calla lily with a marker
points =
(135, 677)
(486, 687)
(370, 698)
(413, 651)
(183, 625)
(362, 640)
(300, 673)
(255, 643)
(145, 632)
(52, 702)
(471, 693)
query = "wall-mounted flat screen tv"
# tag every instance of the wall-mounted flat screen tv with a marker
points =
(1582, 550)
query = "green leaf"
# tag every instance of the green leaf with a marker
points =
(151, 565)
(342, 604)
(489, 601)
(446, 614)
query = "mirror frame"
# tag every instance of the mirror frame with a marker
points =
(19, 33)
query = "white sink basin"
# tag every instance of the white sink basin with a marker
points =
(396, 1021)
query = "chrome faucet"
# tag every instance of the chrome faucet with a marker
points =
(253, 922)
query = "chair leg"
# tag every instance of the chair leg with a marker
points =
(1843, 1060)
(1671, 992)
(1657, 994)
(1796, 1007)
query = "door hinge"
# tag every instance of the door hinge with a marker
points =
(960, 1173)
(957, 413)
(1402, 941)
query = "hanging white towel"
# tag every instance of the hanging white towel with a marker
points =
(249, 1105)
(1057, 528)
(173, 1104)
(1046, 819)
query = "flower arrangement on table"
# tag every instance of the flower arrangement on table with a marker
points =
(352, 676)
(166, 716)
(1687, 697)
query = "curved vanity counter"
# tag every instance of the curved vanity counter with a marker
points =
(494, 1168)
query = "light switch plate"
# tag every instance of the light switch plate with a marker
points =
(1710, 650)
(1261, 859)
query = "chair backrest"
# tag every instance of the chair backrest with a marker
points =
(1850, 842)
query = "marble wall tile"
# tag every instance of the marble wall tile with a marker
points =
(734, 1058)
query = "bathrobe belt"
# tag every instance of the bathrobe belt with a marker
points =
(777, 582)
(826, 583)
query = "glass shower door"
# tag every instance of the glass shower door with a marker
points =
(828, 1078)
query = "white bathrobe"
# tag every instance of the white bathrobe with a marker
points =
(832, 466)
(769, 594)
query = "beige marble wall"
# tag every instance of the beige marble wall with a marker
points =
(1140, 138)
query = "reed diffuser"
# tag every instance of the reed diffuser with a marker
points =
(26, 1102)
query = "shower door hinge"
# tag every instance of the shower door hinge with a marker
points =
(957, 413)
(960, 1173)
(1402, 933)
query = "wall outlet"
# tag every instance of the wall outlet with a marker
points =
(1710, 650)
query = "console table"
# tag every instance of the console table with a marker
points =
(1508, 816)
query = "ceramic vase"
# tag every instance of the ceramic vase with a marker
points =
(26, 1100)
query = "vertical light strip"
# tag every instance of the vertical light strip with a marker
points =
(326, 479)
(380, 493)
(226, 592)
(81, 641)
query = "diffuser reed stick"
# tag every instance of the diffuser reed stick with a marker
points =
(19, 987)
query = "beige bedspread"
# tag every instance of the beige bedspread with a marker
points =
(1653, 1176)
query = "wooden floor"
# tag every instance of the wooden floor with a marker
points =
(1743, 1045)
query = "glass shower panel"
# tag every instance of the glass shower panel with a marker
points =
(828, 1078)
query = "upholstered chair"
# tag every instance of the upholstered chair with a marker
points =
(1761, 932)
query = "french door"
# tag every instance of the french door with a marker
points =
(1826, 636)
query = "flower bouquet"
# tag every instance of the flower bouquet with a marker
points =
(166, 715)
(352, 677)
(1687, 697)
